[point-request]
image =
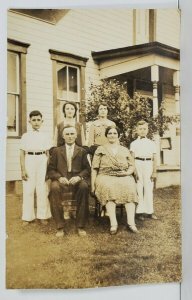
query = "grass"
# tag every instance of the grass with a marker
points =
(35, 258)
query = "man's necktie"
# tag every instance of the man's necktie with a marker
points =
(69, 158)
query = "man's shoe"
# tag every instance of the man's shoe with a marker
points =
(60, 233)
(140, 217)
(81, 232)
(132, 228)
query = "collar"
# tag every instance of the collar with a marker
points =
(70, 146)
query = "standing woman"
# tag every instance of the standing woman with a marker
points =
(70, 112)
(97, 129)
(112, 180)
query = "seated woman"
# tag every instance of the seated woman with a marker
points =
(112, 180)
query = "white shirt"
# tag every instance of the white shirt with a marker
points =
(144, 148)
(35, 141)
(68, 149)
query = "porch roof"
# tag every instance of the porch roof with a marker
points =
(119, 61)
(148, 48)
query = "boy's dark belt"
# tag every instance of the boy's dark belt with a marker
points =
(141, 158)
(36, 153)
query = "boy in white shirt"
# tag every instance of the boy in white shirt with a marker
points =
(33, 160)
(144, 153)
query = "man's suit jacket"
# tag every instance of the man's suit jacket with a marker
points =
(57, 166)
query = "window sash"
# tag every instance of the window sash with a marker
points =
(13, 92)
(68, 95)
(14, 128)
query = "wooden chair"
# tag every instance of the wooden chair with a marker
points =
(99, 209)
(69, 204)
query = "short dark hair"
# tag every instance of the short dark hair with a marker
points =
(112, 127)
(142, 122)
(103, 104)
(35, 113)
(71, 103)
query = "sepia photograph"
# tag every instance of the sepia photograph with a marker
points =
(93, 186)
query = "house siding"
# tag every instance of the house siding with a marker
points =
(168, 29)
(78, 32)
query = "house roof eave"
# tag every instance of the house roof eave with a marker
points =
(148, 48)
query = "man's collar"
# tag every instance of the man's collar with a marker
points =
(71, 145)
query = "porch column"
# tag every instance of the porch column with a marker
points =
(176, 85)
(155, 79)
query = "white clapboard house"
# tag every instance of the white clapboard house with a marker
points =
(54, 55)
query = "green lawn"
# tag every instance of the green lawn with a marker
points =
(35, 258)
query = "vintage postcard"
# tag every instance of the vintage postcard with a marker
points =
(93, 148)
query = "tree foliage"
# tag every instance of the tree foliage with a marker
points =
(125, 111)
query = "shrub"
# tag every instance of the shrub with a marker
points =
(125, 111)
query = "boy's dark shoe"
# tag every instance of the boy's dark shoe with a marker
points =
(153, 217)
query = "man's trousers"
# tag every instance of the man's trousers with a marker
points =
(59, 191)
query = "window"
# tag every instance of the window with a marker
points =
(68, 87)
(16, 90)
(68, 83)
(13, 93)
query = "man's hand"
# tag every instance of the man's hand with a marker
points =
(74, 180)
(63, 180)
(24, 175)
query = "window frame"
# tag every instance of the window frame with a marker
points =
(20, 49)
(71, 60)
(78, 81)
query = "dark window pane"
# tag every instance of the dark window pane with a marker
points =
(62, 82)
(73, 80)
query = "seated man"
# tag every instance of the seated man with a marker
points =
(69, 169)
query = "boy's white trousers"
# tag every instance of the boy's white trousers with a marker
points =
(36, 166)
(144, 186)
